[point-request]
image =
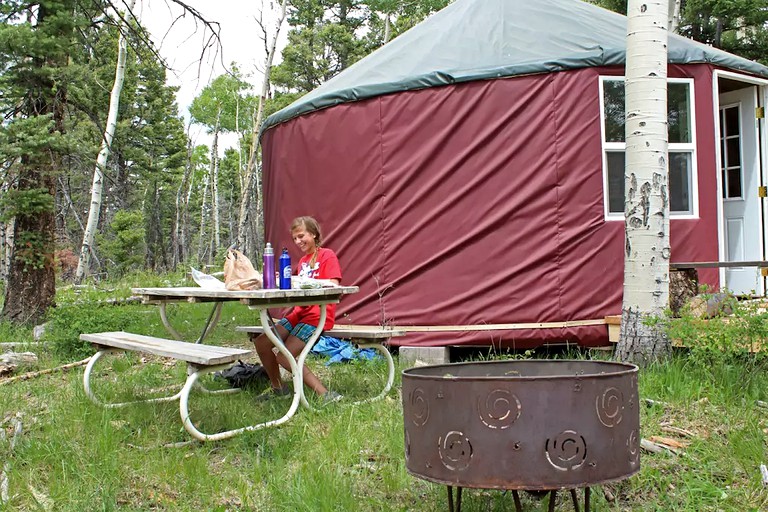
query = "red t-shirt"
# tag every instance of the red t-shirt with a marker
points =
(326, 267)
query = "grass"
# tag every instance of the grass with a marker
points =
(73, 455)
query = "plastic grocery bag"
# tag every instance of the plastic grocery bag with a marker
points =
(206, 281)
(239, 273)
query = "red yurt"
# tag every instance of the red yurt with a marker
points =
(469, 174)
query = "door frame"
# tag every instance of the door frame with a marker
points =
(761, 91)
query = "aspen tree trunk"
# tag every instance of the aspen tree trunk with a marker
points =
(6, 238)
(180, 228)
(646, 207)
(387, 29)
(7, 249)
(216, 240)
(101, 160)
(674, 16)
(253, 170)
(203, 246)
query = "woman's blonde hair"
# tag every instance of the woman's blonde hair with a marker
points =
(309, 224)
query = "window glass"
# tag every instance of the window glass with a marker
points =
(681, 148)
(733, 183)
(615, 181)
(678, 113)
(613, 103)
(679, 182)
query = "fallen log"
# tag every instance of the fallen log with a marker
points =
(32, 375)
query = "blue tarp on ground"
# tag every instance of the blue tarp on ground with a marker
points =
(340, 351)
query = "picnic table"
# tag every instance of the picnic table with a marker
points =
(260, 300)
(202, 359)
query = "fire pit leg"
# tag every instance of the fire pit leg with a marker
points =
(586, 499)
(450, 498)
(575, 499)
(518, 505)
(552, 500)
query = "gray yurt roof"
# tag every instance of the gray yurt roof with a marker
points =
(485, 39)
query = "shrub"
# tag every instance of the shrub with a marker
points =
(742, 333)
(68, 321)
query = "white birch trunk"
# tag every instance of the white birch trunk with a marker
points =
(182, 202)
(6, 236)
(216, 241)
(646, 263)
(251, 168)
(101, 160)
(7, 248)
(387, 29)
(674, 16)
(202, 247)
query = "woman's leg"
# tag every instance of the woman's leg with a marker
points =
(268, 359)
(295, 346)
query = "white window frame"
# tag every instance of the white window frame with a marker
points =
(689, 147)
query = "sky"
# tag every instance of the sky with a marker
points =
(181, 43)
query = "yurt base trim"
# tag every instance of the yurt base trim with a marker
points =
(483, 327)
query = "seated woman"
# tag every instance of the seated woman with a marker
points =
(298, 325)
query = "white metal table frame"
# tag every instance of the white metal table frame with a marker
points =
(260, 300)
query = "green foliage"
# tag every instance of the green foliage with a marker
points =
(736, 26)
(738, 337)
(123, 245)
(68, 321)
(32, 201)
(325, 37)
(223, 104)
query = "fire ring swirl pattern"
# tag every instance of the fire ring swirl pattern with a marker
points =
(634, 450)
(418, 400)
(567, 451)
(455, 450)
(609, 407)
(500, 409)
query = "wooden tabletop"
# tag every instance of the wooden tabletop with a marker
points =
(253, 298)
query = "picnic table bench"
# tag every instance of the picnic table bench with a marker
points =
(200, 359)
(365, 336)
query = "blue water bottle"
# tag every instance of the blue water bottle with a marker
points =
(285, 270)
(269, 267)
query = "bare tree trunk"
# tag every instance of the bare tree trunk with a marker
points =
(646, 263)
(68, 198)
(179, 227)
(387, 29)
(6, 238)
(202, 246)
(674, 16)
(101, 161)
(253, 171)
(216, 241)
(7, 249)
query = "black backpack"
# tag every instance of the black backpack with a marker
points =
(243, 375)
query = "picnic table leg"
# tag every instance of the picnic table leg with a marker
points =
(89, 392)
(213, 319)
(298, 384)
(196, 372)
(308, 348)
(390, 370)
(297, 366)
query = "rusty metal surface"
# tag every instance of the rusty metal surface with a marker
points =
(522, 424)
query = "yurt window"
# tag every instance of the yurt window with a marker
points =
(680, 132)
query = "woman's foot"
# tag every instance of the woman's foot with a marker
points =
(332, 396)
(271, 393)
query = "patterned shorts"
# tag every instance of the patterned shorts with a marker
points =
(301, 331)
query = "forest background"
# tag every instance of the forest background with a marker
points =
(165, 201)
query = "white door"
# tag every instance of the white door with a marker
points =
(739, 168)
